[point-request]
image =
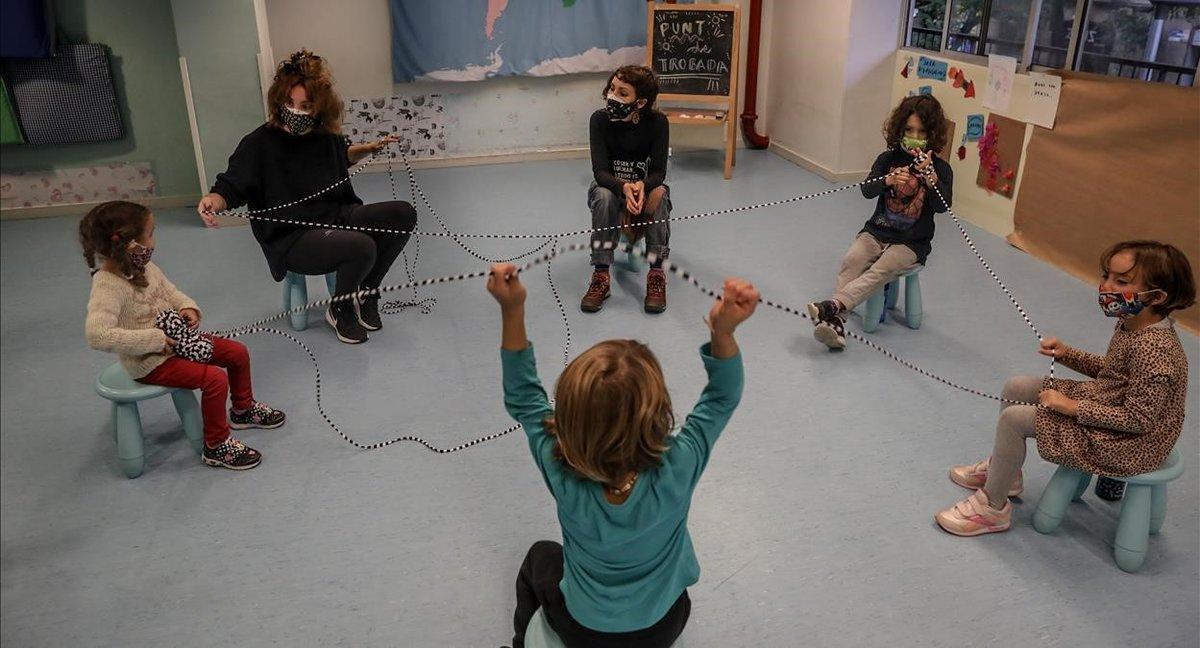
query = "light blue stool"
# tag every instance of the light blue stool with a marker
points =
(115, 385)
(875, 310)
(635, 260)
(1142, 512)
(539, 634)
(295, 294)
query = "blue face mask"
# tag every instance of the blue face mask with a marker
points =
(1114, 303)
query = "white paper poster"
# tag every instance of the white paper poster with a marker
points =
(1043, 98)
(1001, 70)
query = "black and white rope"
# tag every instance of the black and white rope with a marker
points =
(971, 244)
(415, 189)
(548, 236)
(396, 306)
(347, 438)
(562, 310)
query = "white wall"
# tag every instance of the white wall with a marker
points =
(498, 116)
(829, 88)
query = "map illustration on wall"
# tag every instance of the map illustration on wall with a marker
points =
(472, 40)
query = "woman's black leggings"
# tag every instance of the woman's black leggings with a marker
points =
(361, 259)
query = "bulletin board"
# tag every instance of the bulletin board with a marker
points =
(1000, 156)
(1120, 163)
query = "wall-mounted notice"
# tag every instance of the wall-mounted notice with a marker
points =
(928, 68)
(1043, 98)
(1001, 70)
(974, 128)
(692, 51)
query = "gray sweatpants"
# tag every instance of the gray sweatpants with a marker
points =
(868, 266)
(607, 211)
(1014, 426)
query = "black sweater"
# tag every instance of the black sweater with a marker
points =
(272, 167)
(905, 214)
(627, 152)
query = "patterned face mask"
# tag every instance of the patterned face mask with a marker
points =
(139, 255)
(297, 121)
(1114, 303)
(617, 109)
(910, 143)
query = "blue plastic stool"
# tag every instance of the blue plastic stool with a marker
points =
(635, 259)
(539, 634)
(295, 294)
(115, 385)
(875, 310)
(1142, 513)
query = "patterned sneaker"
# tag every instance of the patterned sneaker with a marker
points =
(232, 454)
(831, 333)
(597, 292)
(656, 291)
(260, 415)
(974, 476)
(367, 310)
(345, 323)
(974, 516)
(823, 311)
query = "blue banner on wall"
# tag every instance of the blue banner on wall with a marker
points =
(928, 68)
(471, 40)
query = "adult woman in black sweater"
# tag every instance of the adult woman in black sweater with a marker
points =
(297, 153)
(629, 141)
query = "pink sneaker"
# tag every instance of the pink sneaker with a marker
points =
(974, 516)
(974, 476)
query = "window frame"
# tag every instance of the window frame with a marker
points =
(1025, 62)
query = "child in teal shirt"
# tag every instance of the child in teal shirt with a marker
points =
(622, 483)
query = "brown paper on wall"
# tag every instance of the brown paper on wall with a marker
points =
(1008, 147)
(1121, 163)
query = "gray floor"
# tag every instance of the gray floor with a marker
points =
(813, 524)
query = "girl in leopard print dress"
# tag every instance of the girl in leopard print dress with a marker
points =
(1124, 421)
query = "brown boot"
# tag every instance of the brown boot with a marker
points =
(597, 292)
(656, 291)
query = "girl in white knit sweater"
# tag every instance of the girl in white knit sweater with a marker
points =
(128, 293)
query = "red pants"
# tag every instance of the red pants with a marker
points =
(214, 385)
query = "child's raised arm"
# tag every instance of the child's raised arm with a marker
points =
(505, 286)
(735, 306)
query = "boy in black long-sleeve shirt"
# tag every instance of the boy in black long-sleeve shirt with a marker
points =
(898, 236)
(629, 141)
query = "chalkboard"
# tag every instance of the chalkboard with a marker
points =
(692, 50)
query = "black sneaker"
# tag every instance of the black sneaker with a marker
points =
(831, 333)
(345, 323)
(367, 310)
(232, 454)
(260, 415)
(823, 311)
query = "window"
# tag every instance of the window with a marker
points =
(926, 24)
(1151, 40)
(1054, 28)
(988, 27)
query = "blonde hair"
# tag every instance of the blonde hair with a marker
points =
(612, 413)
(309, 70)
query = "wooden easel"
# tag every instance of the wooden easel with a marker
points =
(682, 68)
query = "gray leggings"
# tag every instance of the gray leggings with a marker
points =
(1014, 426)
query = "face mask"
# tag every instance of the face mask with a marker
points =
(910, 143)
(619, 110)
(297, 121)
(1118, 304)
(139, 255)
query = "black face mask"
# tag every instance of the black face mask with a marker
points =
(297, 122)
(618, 110)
